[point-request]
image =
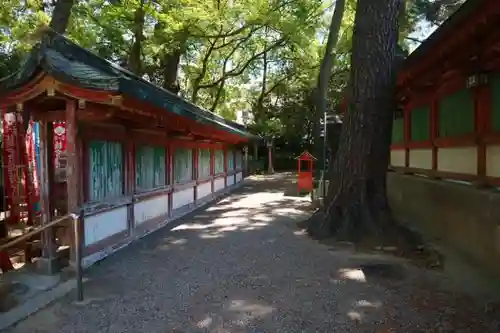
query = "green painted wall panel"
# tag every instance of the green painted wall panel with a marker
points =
(183, 165)
(495, 102)
(456, 114)
(239, 159)
(230, 159)
(106, 170)
(219, 161)
(398, 130)
(420, 124)
(150, 167)
(204, 163)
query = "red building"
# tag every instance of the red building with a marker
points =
(136, 155)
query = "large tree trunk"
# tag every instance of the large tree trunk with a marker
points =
(134, 61)
(324, 77)
(171, 61)
(356, 204)
(60, 16)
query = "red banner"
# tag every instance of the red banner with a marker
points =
(10, 161)
(33, 183)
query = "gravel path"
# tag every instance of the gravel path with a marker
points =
(241, 266)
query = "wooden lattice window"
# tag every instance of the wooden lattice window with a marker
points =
(204, 163)
(398, 128)
(420, 124)
(183, 165)
(150, 167)
(219, 161)
(456, 114)
(106, 170)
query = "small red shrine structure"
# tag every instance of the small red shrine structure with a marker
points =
(305, 170)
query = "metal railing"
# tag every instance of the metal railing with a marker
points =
(77, 219)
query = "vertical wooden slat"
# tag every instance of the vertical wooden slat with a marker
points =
(434, 131)
(170, 175)
(212, 166)
(196, 152)
(407, 134)
(483, 105)
(129, 149)
(225, 166)
(86, 170)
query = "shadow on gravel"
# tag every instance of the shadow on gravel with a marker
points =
(241, 265)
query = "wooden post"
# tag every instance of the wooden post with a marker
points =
(270, 167)
(48, 263)
(434, 131)
(195, 172)
(245, 158)
(212, 167)
(170, 176)
(407, 135)
(225, 166)
(130, 179)
(72, 167)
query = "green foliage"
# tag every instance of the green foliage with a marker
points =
(260, 56)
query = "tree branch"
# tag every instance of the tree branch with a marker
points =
(234, 72)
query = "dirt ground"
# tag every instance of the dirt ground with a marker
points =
(241, 265)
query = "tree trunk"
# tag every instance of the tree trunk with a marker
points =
(356, 204)
(134, 61)
(324, 77)
(60, 16)
(171, 62)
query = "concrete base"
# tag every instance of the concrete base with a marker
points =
(48, 266)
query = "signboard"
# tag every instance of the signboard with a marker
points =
(60, 151)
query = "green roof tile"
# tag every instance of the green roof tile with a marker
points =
(72, 64)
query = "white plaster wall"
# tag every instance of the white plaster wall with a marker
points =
(150, 208)
(239, 177)
(398, 157)
(230, 180)
(459, 160)
(203, 190)
(493, 161)
(218, 184)
(103, 225)
(182, 198)
(421, 158)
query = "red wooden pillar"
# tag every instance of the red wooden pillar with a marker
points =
(225, 166)
(130, 178)
(434, 131)
(170, 176)
(482, 126)
(195, 171)
(212, 167)
(72, 167)
(407, 134)
(47, 263)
